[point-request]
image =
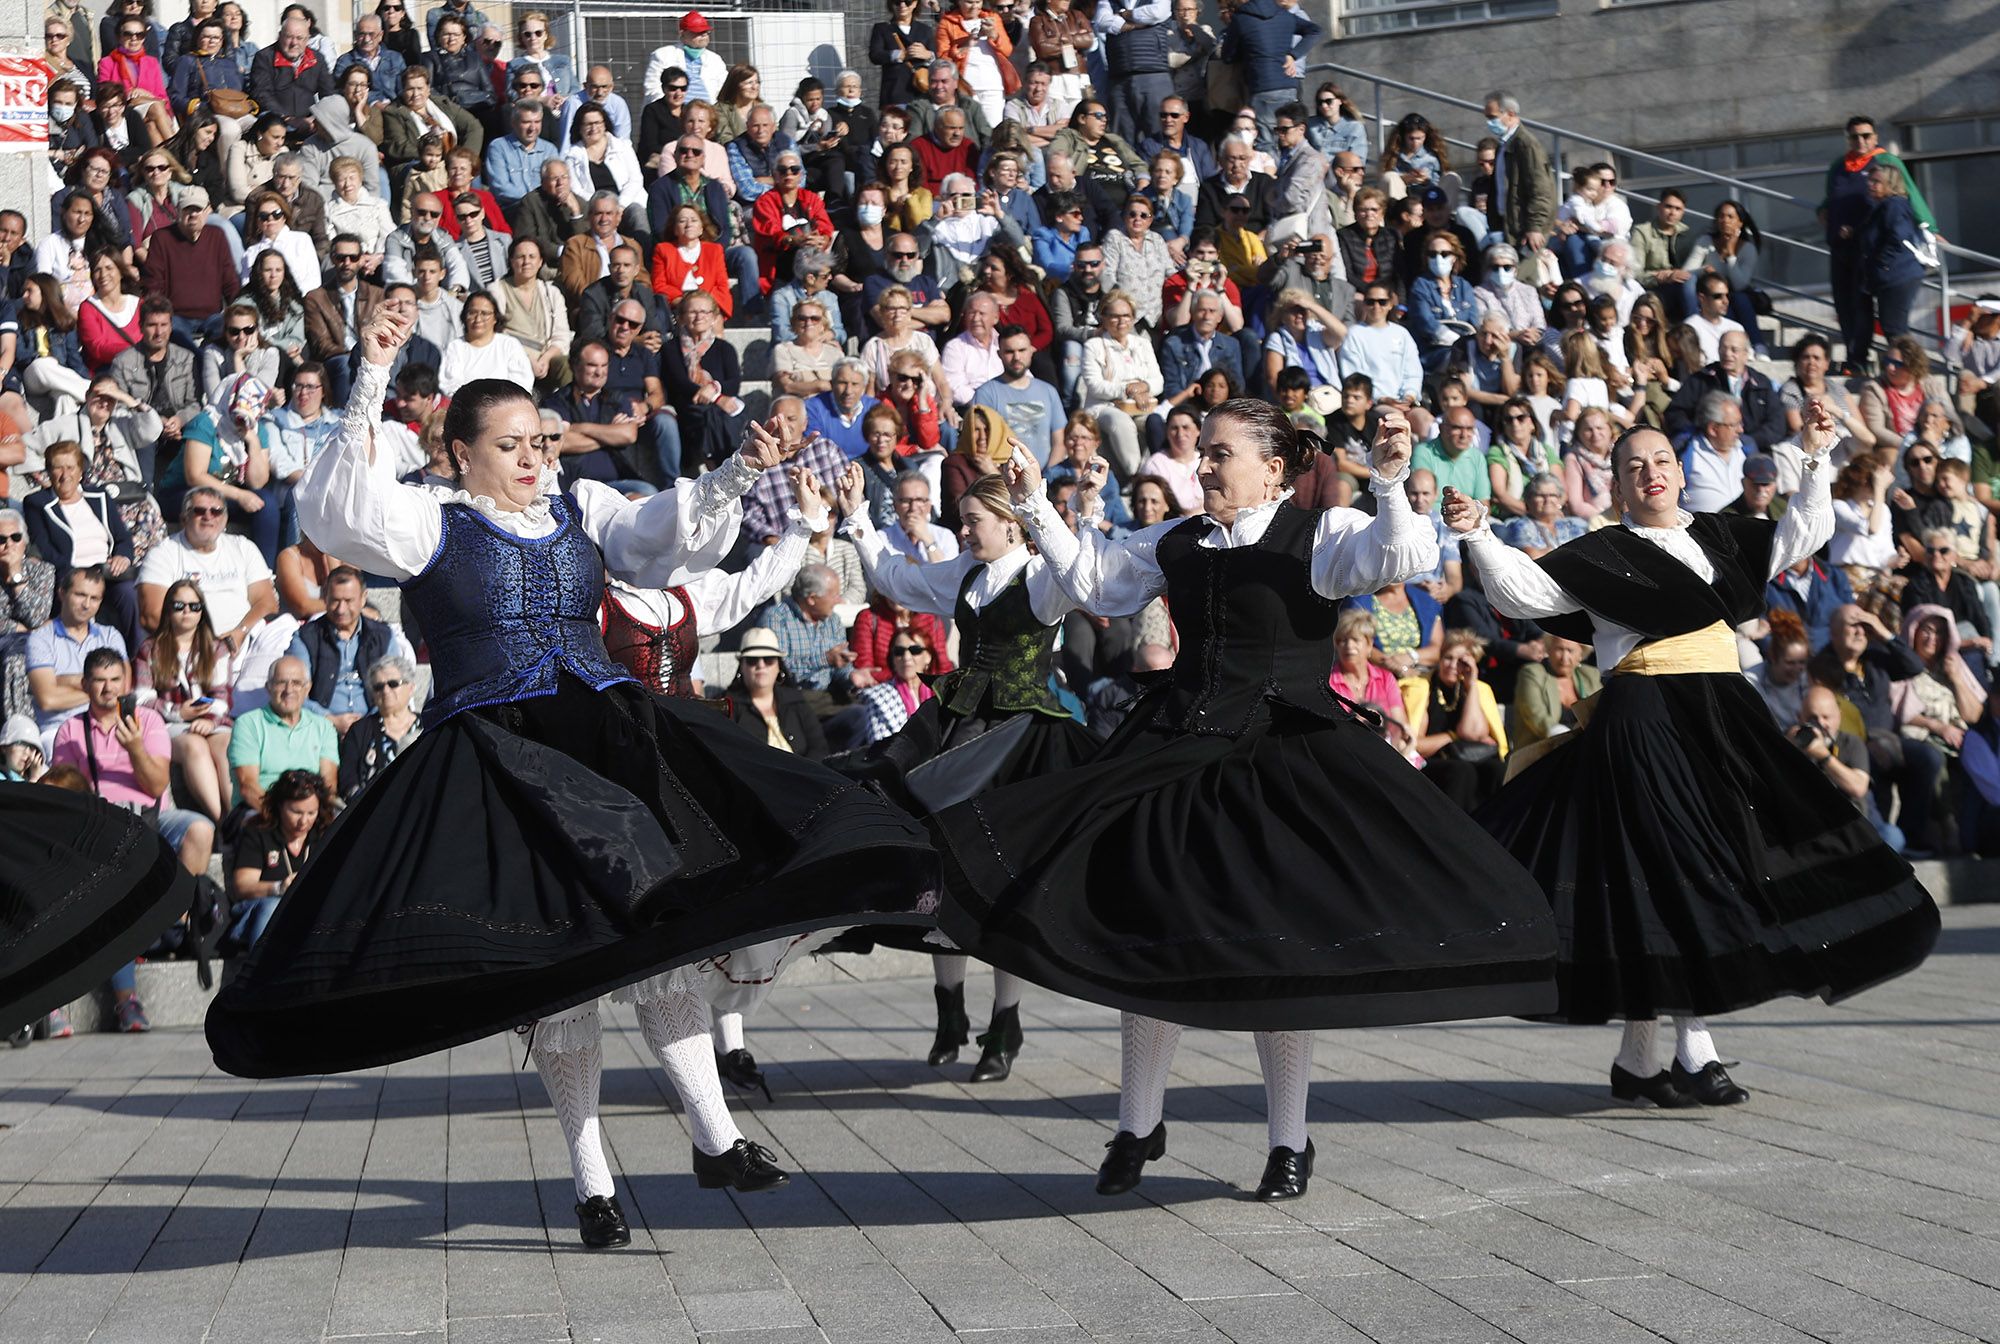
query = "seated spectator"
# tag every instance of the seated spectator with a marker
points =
(1863, 545)
(965, 226)
(887, 706)
(228, 452)
(1866, 665)
(1201, 344)
(1032, 409)
(835, 415)
(386, 731)
(552, 214)
(813, 639)
(1386, 353)
(1455, 723)
(914, 531)
(1177, 464)
(58, 650)
(786, 219)
(271, 231)
(1304, 335)
(811, 272)
(882, 625)
(625, 280)
(924, 417)
(241, 349)
(336, 311)
(280, 305)
(482, 250)
(767, 698)
(909, 203)
(186, 675)
(1173, 207)
(1079, 455)
(481, 349)
(1544, 526)
(75, 527)
(1760, 498)
(281, 735)
(803, 366)
(1591, 383)
(1710, 320)
(27, 596)
(1453, 457)
(1137, 261)
(1763, 410)
(1712, 462)
(1409, 627)
(534, 314)
(1121, 382)
(702, 376)
(945, 150)
(1503, 291)
(515, 161)
(1949, 694)
(771, 498)
(1940, 582)
(49, 357)
(688, 259)
(236, 581)
(984, 442)
(271, 850)
(1519, 453)
(1055, 244)
(1781, 677)
(338, 646)
(594, 151)
(1546, 693)
(1357, 678)
(972, 356)
(1442, 307)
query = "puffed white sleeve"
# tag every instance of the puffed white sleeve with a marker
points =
(1808, 521)
(351, 504)
(1046, 597)
(1514, 584)
(1101, 576)
(689, 527)
(1354, 553)
(931, 587)
(723, 601)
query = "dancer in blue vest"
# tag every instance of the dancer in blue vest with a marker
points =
(557, 832)
(1246, 853)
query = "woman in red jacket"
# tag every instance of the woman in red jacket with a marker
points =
(690, 259)
(876, 629)
(786, 218)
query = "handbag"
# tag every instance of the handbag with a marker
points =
(231, 103)
(920, 75)
(1472, 753)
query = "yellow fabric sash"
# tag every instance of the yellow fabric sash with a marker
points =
(1709, 649)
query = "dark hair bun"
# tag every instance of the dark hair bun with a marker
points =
(1276, 435)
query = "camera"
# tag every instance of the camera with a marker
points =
(1803, 735)
(1312, 245)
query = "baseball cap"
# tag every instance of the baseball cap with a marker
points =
(1433, 195)
(1760, 470)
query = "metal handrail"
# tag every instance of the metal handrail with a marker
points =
(1940, 283)
(1565, 133)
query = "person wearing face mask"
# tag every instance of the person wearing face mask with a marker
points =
(1695, 862)
(1441, 304)
(533, 737)
(1502, 291)
(1157, 833)
(705, 70)
(1523, 206)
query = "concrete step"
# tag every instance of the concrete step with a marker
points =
(173, 997)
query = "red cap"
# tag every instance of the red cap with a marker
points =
(693, 22)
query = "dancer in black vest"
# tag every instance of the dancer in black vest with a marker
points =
(1246, 853)
(1697, 861)
(993, 721)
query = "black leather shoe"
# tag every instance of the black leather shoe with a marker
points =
(1128, 1157)
(739, 1069)
(601, 1223)
(747, 1166)
(1286, 1174)
(998, 1046)
(954, 1028)
(1712, 1086)
(1659, 1089)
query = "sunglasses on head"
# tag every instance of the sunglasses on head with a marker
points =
(184, 605)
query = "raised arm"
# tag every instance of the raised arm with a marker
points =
(1808, 521)
(722, 601)
(688, 528)
(1101, 576)
(1353, 553)
(349, 501)
(931, 587)
(1514, 584)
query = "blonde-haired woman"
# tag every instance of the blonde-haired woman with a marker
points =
(1455, 723)
(534, 49)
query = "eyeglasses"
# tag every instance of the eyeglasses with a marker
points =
(677, 88)
(266, 216)
(1924, 461)
(624, 322)
(906, 650)
(196, 607)
(1375, 303)
(382, 686)
(204, 511)
(1715, 293)
(238, 331)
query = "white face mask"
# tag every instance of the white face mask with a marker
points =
(1502, 276)
(870, 215)
(61, 112)
(848, 102)
(1441, 266)
(1606, 268)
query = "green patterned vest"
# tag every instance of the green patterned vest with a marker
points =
(1006, 656)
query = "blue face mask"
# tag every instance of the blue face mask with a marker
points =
(1501, 276)
(1497, 127)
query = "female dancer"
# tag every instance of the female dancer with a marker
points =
(1246, 853)
(556, 833)
(1697, 862)
(993, 721)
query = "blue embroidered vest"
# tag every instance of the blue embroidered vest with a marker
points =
(503, 615)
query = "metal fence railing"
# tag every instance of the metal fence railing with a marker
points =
(1807, 301)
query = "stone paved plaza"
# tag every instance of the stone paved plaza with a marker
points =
(1475, 1183)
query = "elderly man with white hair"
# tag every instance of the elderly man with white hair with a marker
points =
(967, 220)
(282, 735)
(973, 356)
(1612, 275)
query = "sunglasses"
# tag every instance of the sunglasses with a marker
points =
(1375, 303)
(789, 168)
(1519, 418)
(1173, 116)
(528, 85)
(13, 536)
(195, 607)
(677, 88)
(906, 378)
(348, 257)
(131, 33)
(1327, 102)
(157, 168)
(381, 686)
(902, 256)
(1938, 550)
(804, 318)
(470, 212)
(1894, 364)
(1921, 461)
(428, 214)
(266, 216)
(1445, 253)
(1090, 261)
(757, 659)
(689, 152)
(1094, 116)
(205, 511)
(624, 322)
(534, 32)
(1715, 293)
(907, 650)
(238, 331)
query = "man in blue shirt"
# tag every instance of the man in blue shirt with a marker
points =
(600, 86)
(836, 415)
(56, 651)
(1032, 409)
(514, 161)
(340, 646)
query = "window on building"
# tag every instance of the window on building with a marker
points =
(1957, 167)
(1370, 18)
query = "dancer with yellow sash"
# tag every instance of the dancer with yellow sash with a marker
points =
(1696, 861)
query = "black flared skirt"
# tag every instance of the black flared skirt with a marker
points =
(936, 759)
(84, 888)
(1697, 862)
(524, 858)
(1298, 876)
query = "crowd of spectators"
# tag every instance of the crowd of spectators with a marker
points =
(1059, 230)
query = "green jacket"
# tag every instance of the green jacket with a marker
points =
(1538, 704)
(1918, 205)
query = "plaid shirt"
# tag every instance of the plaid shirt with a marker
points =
(804, 644)
(764, 508)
